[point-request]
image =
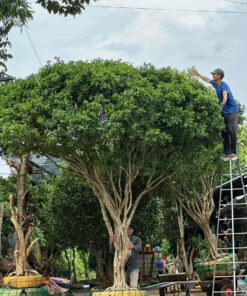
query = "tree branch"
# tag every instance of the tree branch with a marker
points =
(31, 246)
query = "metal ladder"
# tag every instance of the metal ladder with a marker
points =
(232, 213)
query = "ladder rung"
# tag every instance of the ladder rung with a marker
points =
(224, 276)
(230, 204)
(229, 189)
(229, 219)
(237, 292)
(230, 262)
(233, 174)
(217, 291)
(236, 172)
(230, 233)
(243, 248)
(236, 204)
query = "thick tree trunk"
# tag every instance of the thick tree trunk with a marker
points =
(73, 264)
(68, 263)
(70, 255)
(21, 190)
(181, 238)
(211, 240)
(45, 261)
(22, 222)
(21, 260)
(49, 259)
(121, 256)
(202, 220)
(200, 210)
(84, 257)
(23, 247)
(190, 260)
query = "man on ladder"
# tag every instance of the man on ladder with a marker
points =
(227, 283)
(229, 111)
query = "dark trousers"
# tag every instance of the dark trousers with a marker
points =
(229, 135)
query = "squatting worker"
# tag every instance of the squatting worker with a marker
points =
(229, 111)
(132, 265)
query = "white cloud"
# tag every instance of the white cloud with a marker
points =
(140, 33)
(164, 38)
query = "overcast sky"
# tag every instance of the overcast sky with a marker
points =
(176, 39)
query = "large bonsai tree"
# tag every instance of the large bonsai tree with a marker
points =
(114, 125)
(22, 217)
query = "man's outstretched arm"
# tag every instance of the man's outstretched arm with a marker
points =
(204, 78)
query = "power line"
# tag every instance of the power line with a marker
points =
(237, 2)
(34, 49)
(169, 9)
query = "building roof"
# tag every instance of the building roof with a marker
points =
(226, 189)
(238, 196)
(43, 165)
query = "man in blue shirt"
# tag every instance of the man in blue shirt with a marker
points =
(229, 111)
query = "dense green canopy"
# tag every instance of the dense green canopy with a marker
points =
(105, 107)
(109, 119)
(125, 130)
